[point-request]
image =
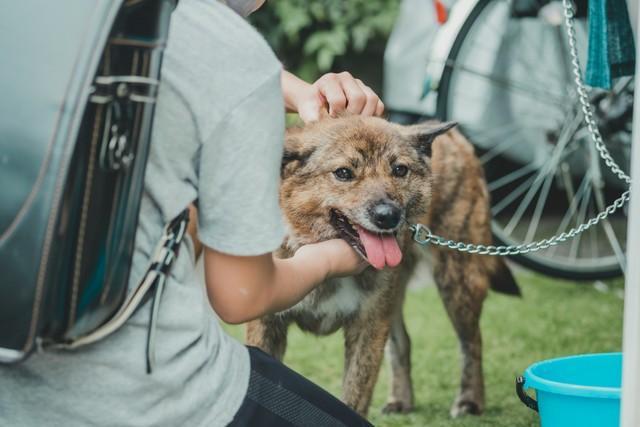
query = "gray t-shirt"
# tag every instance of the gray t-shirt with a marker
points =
(217, 138)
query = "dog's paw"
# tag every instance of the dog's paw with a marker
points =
(462, 407)
(397, 407)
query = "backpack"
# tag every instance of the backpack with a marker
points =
(78, 83)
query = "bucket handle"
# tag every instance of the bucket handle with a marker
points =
(524, 397)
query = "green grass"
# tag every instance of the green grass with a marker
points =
(554, 318)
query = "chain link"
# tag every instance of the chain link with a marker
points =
(423, 236)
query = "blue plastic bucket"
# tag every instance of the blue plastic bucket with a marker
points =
(575, 391)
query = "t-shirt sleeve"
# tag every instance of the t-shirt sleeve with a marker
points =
(239, 173)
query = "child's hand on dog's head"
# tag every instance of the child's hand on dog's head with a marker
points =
(330, 95)
(341, 259)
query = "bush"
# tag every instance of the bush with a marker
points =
(311, 37)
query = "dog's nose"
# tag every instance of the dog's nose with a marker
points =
(385, 215)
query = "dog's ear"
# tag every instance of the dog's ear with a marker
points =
(295, 153)
(424, 134)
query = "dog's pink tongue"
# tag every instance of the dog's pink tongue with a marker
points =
(382, 249)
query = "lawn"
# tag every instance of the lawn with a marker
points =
(554, 318)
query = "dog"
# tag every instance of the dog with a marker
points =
(364, 180)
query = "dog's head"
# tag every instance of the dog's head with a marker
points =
(357, 178)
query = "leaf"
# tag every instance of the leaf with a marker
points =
(361, 35)
(325, 59)
(293, 19)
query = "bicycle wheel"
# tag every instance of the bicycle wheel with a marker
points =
(508, 83)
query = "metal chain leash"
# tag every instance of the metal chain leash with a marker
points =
(423, 236)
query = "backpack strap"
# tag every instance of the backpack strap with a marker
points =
(151, 285)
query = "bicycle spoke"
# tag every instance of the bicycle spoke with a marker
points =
(573, 206)
(615, 245)
(567, 182)
(524, 204)
(542, 200)
(545, 171)
(491, 132)
(620, 86)
(586, 236)
(482, 129)
(509, 178)
(530, 48)
(593, 239)
(609, 232)
(541, 96)
(464, 98)
(501, 147)
(511, 197)
(582, 215)
(478, 47)
(491, 30)
(475, 130)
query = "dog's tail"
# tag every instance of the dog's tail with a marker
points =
(502, 279)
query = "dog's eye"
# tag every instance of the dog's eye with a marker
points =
(343, 174)
(400, 171)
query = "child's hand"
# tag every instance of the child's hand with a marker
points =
(343, 92)
(332, 93)
(341, 259)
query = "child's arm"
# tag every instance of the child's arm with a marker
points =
(244, 288)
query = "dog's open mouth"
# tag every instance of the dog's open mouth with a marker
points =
(380, 249)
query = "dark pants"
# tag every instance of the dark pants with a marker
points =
(278, 396)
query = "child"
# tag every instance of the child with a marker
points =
(217, 138)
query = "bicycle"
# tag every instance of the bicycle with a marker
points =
(524, 116)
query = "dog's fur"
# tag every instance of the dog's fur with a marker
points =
(445, 190)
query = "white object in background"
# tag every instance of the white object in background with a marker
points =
(416, 52)
(406, 56)
(630, 409)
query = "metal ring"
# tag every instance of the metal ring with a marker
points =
(420, 229)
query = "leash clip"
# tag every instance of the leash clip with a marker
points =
(421, 234)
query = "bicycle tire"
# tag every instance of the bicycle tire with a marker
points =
(532, 260)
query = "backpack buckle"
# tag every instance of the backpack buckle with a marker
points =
(120, 94)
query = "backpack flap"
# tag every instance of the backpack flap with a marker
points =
(105, 182)
(67, 241)
(49, 53)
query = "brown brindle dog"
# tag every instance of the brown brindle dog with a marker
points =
(364, 180)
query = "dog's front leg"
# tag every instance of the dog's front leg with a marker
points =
(269, 334)
(398, 351)
(365, 338)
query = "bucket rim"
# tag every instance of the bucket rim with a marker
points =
(539, 383)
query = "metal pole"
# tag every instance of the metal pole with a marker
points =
(630, 409)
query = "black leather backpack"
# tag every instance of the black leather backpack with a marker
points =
(78, 82)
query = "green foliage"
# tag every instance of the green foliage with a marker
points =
(309, 36)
